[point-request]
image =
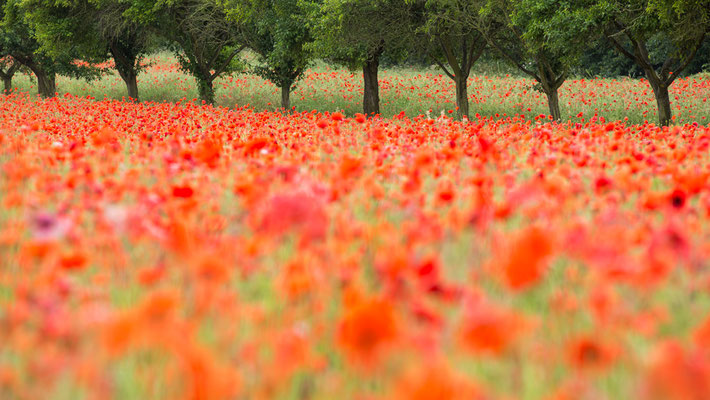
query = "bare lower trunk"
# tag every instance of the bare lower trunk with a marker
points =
(206, 90)
(663, 101)
(462, 96)
(8, 75)
(46, 84)
(553, 102)
(7, 84)
(127, 62)
(132, 87)
(286, 96)
(131, 81)
(371, 95)
(46, 81)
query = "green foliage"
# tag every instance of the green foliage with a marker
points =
(643, 30)
(602, 60)
(277, 31)
(653, 32)
(20, 38)
(534, 36)
(350, 32)
(198, 32)
(64, 27)
(451, 32)
(92, 30)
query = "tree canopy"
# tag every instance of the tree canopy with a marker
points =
(548, 40)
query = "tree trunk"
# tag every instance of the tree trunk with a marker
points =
(553, 102)
(462, 96)
(663, 100)
(286, 96)
(8, 75)
(132, 87)
(130, 78)
(206, 90)
(46, 83)
(7, 83)
(126, 65)
(371, 95)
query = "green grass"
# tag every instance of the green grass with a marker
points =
(415, 91)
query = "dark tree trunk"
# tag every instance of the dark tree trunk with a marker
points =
(553, 102)
(130, 78)
(371, 95)
(462, 96)
(7, 84)
(670, 69)
(46, 83)
(206, 90)
(460, 67)
(132, 86)
(665, 114)
(286, 96)
(663, 100)
(126, 64)
(7, 77)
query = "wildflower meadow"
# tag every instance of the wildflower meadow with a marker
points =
(179, 250)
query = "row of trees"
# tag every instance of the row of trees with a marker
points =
(544, 39)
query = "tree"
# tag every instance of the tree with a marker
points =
(92, 30)
(634, 27)
(19, 40)
(128, 42)
(520, 30)
(276, 30)
(356, 33)
(451, 42)
(204, 42)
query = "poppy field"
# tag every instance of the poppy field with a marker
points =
(181, 251)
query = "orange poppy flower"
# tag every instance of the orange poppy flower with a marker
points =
(208, 152)
(350, 167)
(677, 374)
(490, 330)
(589, 354)
(526, 263)
(73, 261)
(434, 381)
(366, 330)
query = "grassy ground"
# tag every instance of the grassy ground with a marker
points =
(413, 91)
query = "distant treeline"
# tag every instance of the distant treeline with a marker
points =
(600, 60)
(548, 41)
